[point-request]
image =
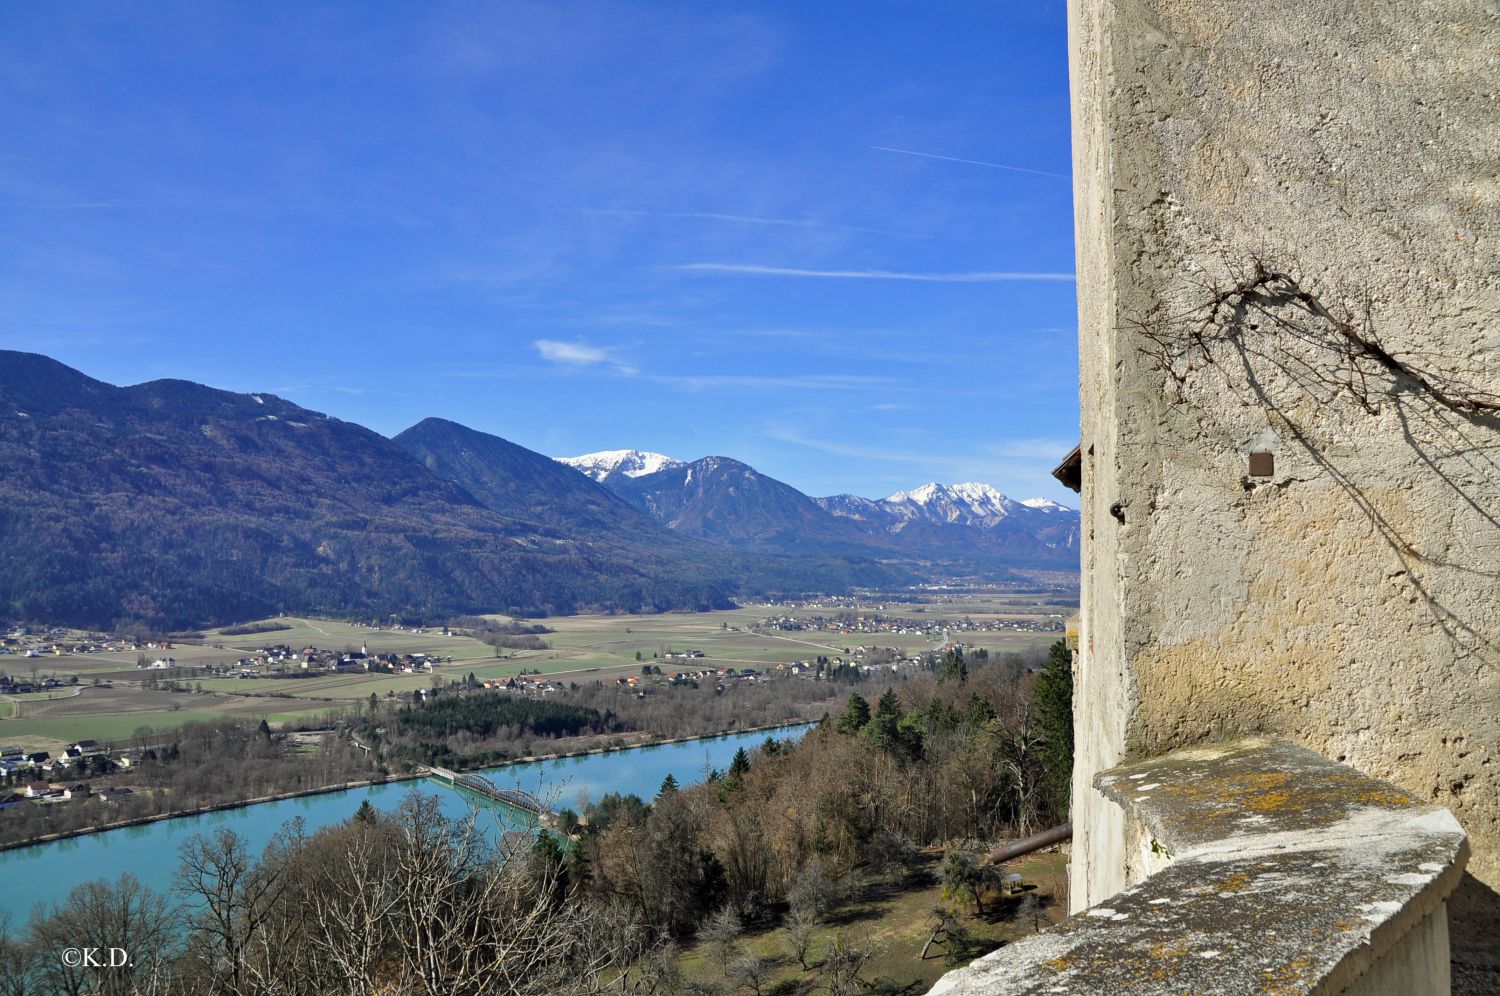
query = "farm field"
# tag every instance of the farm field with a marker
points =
(332, 635)
(580, 648)
(53, 733)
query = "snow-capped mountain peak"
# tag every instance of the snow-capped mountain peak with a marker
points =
(628, 463)
(953, 502)
(919, 496)
(1045, 505)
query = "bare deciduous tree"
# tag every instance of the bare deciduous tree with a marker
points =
(843, 961)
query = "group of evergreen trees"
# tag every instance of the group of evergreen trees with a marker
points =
(435, 732)
(1045, 727)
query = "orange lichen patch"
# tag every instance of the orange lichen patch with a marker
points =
(1234, 883)
(1060, 964)
(1207, 797)
(1266, 781)
(1382, 797)
(1287, 979)
(1177, 949)
(1269, 802)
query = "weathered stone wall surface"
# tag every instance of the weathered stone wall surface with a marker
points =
(1350, 600)
(1275, 870)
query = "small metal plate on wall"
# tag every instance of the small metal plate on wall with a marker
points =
(1262, 465)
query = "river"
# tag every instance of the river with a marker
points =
(45, 873)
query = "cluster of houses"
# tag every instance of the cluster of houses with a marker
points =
(817, 669)
(849, 623)
(54, 779)
(49, 793)
(719, 676)
(23, 686)
(55, 642)
(525, 684)
(281, 661)
(15, 758)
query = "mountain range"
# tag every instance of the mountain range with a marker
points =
(171, 504)
(729, 503)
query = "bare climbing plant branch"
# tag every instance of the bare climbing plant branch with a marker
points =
(1267, 302)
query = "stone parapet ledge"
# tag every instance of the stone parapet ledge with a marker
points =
(1277, 871)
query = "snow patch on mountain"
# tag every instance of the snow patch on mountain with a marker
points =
(854, 507)
(629, 463)
(966, 503)
(1045, 505)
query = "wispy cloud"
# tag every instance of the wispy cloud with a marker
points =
(801, 382)
(569, 352)
(1033, 449)
(579, 354)
(62, 206)
(742, 219)
(303, 390)
(771, 334)
(974, 162)
(982, 277)
(915, 458)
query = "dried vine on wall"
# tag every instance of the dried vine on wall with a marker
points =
(1267, 303)
(1264, 312)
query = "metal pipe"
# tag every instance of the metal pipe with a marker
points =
(1035, 842)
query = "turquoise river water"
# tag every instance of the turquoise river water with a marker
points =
(46, 872)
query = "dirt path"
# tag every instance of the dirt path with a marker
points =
(821, 646)
(18, 704)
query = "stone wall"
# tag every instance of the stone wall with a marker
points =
(1274, 870)
(1350, 599)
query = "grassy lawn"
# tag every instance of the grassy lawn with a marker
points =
(68, 729)
(52, 732)
(302, 716)
(6, 708)
(895, 920)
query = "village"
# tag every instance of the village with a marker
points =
(853, 623)
(39, 777)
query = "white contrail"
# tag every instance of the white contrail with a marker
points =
(973, 162)
(936, 278)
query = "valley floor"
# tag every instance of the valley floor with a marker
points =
(580, 649)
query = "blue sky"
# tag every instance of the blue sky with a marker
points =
(831, 239)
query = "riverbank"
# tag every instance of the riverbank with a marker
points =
(386, 780)
(47, 873)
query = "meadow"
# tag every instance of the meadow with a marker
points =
(893, 920)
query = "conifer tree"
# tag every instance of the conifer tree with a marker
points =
(738, 769)
(856, 714)
(1052, 699)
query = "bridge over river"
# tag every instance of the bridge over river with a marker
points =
(516, 798)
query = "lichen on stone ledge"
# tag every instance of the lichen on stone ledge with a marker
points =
(1290, 874)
